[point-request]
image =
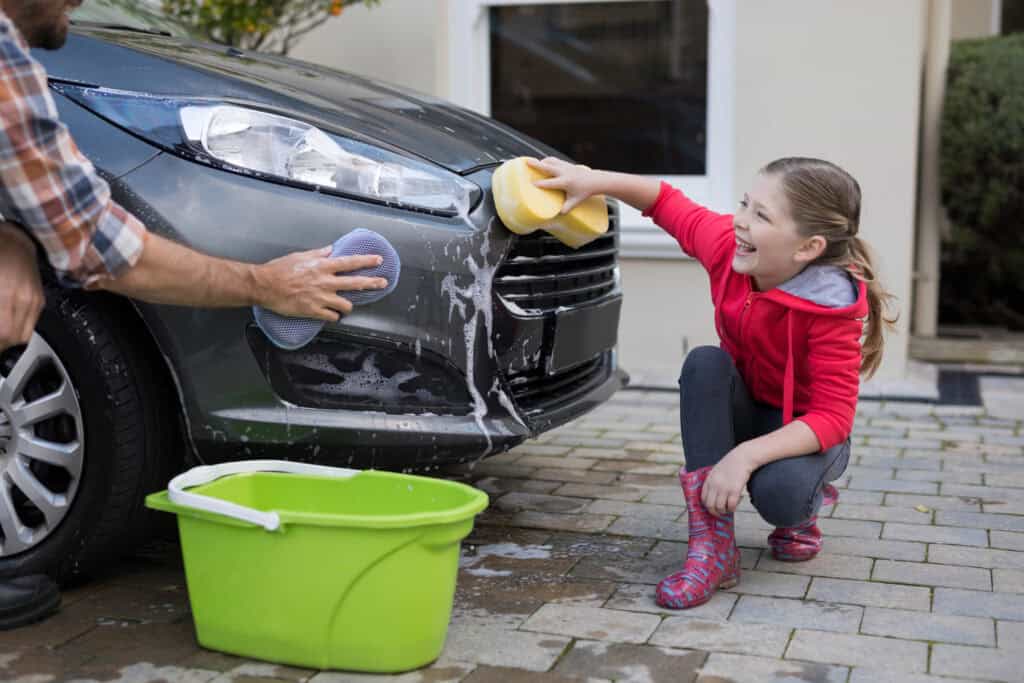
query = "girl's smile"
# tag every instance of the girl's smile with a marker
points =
(769, 247)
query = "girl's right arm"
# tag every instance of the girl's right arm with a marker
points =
(579, 182)
(702, 233)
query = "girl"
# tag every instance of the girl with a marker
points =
(771, 410)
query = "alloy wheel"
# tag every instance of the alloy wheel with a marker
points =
(41, 445)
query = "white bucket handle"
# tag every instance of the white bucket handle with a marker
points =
(204, 474)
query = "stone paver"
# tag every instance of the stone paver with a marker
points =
(921, 576)
(869, 547)
(826, 564)
(896, 623)
(1007, 540)
(872, 594)
(877, 513)
(772, 584)
(976, 557)
(590, 622)
(1010, 634)
(935, 534)
(495, 643)
(590, 660)
(976, 662)
(715, 636)
(722, 667)
(822, 616)
(853, 650)
(1008, 580)
(978, 604)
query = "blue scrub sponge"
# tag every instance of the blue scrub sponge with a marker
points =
(294, 333)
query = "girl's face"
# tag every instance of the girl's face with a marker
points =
(768, 246)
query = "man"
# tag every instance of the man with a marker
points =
(55, 200)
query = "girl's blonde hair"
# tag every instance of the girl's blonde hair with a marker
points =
(825, 200)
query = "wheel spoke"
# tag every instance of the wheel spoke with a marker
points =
(12, 385)
(60, 402)
(49, 504)
(14, 530)
(65, 455)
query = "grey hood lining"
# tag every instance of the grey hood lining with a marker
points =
(828, 286)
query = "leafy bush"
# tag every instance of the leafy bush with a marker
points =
(269, 25)
(982, 176)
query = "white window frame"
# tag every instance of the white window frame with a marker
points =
(469, 85)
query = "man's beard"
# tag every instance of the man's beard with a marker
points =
(40, 25)
(49, 38)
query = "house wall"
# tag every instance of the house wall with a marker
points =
(812, 78)
(397, 41)
(974, 18)
(832, 80)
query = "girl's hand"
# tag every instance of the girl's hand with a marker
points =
(577, 181)
(724, 486)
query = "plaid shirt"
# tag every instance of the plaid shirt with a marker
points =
(47, 185)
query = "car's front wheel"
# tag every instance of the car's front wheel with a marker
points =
(85, 433)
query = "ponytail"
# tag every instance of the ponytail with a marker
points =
(825, 200)
(862, 267)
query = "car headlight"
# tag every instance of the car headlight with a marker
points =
(246, 140)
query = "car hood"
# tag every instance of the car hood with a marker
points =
(435, 130)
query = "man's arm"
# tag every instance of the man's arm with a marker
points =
(302, 284)
(21, 292)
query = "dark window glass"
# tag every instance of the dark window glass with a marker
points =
(1013, 16)
(620, 85)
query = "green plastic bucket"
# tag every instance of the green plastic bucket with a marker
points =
(320, 567)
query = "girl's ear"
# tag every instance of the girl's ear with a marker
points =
(811, 249)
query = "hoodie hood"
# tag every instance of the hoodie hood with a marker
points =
(828, 286)
(823, 290)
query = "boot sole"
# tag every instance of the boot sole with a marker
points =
(794, 558)
(37, 613)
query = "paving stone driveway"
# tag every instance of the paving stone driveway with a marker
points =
(921, 580)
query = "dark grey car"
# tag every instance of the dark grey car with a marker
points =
(487, 340)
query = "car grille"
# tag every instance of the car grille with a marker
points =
(541, 274)
(535, 392)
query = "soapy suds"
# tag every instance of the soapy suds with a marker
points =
(506, 402)
(509, 550)
(462, 210)
(479, 293)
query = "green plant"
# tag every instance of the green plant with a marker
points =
(268, 25)
(982, 176)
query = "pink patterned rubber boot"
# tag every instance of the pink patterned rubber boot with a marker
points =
(712, 560)
(801, 542)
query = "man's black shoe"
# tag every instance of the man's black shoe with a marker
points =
(27, 599)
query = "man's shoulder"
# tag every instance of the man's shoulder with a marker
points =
(14, 51)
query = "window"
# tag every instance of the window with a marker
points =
(619, 85)
(642, 86)
(1012, 19)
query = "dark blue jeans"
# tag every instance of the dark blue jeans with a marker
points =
(716, 413)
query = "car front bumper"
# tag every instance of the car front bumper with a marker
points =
(447, 368)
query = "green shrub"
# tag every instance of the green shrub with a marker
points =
(268, 25)
(982, 176)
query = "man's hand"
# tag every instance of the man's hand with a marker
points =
(305, 284)
(21, 292)
(724, 486)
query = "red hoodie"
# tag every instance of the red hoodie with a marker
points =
(793, 353)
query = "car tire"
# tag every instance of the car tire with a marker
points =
(130, 446)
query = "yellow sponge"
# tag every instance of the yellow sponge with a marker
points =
(523, 207)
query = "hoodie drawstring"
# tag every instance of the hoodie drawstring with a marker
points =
(788, 381)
